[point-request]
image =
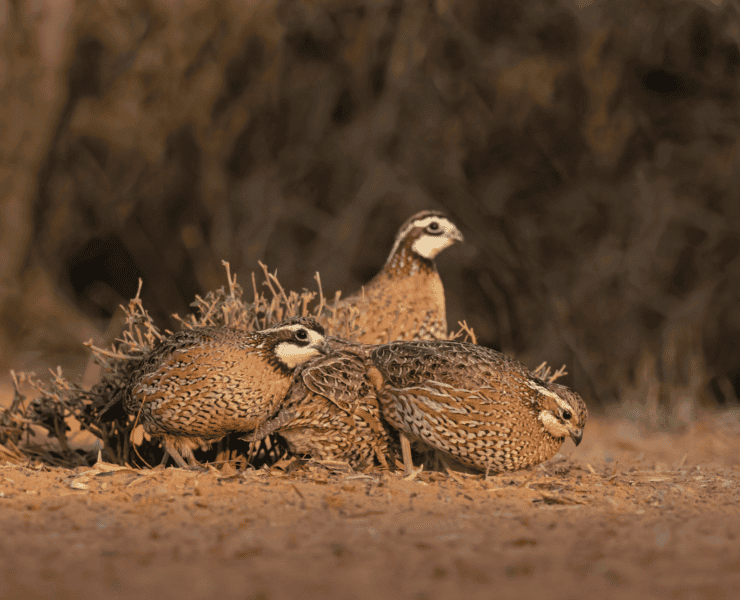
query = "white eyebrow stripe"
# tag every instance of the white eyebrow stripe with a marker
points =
(559, 400)
(291, 327)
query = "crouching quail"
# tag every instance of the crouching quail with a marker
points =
(201, 384)
(405, 300)
(332, 413)
(482, 408)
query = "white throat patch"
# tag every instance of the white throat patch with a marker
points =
(292, 355)
(428, 246)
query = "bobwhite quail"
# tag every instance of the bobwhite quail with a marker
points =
(484, 409)
(332, 413)
(201, 384)
(405, 300)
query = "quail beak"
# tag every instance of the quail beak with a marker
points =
(576, 434)
(457, 236)
(325, 348)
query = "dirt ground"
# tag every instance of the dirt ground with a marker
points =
(629, 513)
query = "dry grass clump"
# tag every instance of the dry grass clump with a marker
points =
(59, 405)
(41, 427)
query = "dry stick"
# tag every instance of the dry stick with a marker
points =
(136, 421)
(542, 369)
(95, 430)
(124, 451)
(558, 374)
(529, 479)
(136, 298)
(335, 308)
(207, 313)
(108, 353)
(256, 301)
(259, 300)
(307, 297)
(17, 387)
(270, 276)
(267, 278)
(140, 339)
(62, 438)
(467, 329)
(290, 303)
(322, 302)
(226, 264)
(7, 451)
(232, 288)
(305, 300)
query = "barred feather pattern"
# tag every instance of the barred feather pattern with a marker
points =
(332, 413)
(475, 404)
(202, 384)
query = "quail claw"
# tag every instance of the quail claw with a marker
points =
(412, 473)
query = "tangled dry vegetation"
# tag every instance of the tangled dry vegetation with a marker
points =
(58, 404)
(57, 399)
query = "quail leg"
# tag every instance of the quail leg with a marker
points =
(380, 457)
(408, 463)
(449, 471)
(170, 451)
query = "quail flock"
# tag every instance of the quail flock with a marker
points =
(400, 382)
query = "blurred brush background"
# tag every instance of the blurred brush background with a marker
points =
(587, 150)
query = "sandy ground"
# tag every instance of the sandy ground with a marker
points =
(629, 514)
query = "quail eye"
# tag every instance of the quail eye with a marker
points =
(301, 334)
(566, 414)
(433, 227)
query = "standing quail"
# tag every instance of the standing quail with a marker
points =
(482, 408)
(405, 300)
(203, 383)
(332, 412)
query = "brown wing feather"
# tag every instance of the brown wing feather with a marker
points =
(476, 404)
(336, 378)
(332, 413)
(235, 385)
